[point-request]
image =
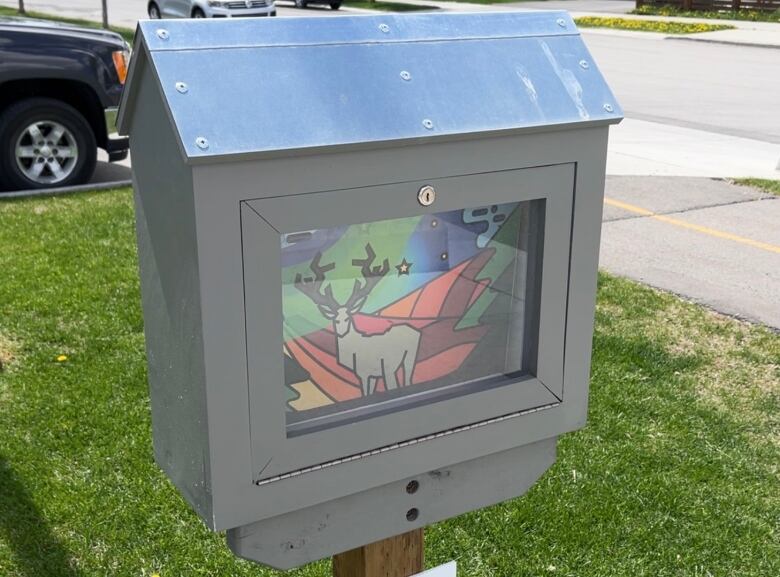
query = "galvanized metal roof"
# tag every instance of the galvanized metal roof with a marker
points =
(250, 86)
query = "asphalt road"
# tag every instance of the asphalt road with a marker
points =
(708, 240)
(712, 87)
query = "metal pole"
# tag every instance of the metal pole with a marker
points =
(21, 7)
(105, 13)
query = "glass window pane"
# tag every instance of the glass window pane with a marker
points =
(385, 315)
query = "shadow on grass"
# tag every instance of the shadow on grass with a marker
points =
(36, 550)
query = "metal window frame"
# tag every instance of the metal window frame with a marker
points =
(277, 456)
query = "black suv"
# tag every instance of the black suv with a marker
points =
(59, 90)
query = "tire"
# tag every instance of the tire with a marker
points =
(335, 5)
(154, 11)
(301, 3)
(198, 13)
(67, 156)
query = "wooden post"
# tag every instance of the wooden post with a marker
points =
(399, 556)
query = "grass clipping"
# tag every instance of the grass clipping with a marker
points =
(660, 26)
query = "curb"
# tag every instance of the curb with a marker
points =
(726, 42)
(64, 190)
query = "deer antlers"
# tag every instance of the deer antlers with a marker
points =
(312, 287)
(372, 276)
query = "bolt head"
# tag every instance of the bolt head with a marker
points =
(384, 28)
(182, 88)
(201, 143)
(608, 107)
(405, 75)
(561, 22)
(428, 123)
(584, 64)
(163, 34)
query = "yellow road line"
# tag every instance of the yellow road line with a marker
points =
(690, 226)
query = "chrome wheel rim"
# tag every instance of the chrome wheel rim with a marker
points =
(46, 152)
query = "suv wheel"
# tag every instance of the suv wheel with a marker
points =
(45, 143)
(154, 11)
(198, 13)
(335, 5)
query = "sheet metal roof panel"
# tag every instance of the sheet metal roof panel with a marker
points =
(301, 87)
(200, 34)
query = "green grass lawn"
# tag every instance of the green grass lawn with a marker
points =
(770, 186)
(750, 15)
(662, 26)
(676, 475)
(126, 33)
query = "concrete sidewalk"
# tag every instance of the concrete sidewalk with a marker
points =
(642, 148)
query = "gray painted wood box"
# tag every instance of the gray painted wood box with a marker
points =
(368, 251)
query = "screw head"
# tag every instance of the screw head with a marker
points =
(608, 107)
(412, 514)
(426, 195)
(584, 64)
(412, 487)
(182, 88)
(163, 34)
(561, 22)
(201, 143)
(428, 123)
(384, 28)
(405, 75)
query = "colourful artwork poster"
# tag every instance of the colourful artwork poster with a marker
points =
(397, 308)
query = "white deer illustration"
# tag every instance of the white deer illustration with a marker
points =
(368, 356)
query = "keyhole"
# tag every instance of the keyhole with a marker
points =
(426, 195)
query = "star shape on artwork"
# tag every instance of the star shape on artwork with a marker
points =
(404, 267)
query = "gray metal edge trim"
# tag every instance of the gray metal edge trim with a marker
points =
(380, 144)
(166, 106)
(406, 443)
(140, 51)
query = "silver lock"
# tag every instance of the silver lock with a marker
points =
(426, 195)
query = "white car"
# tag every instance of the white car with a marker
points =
(210, 8)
